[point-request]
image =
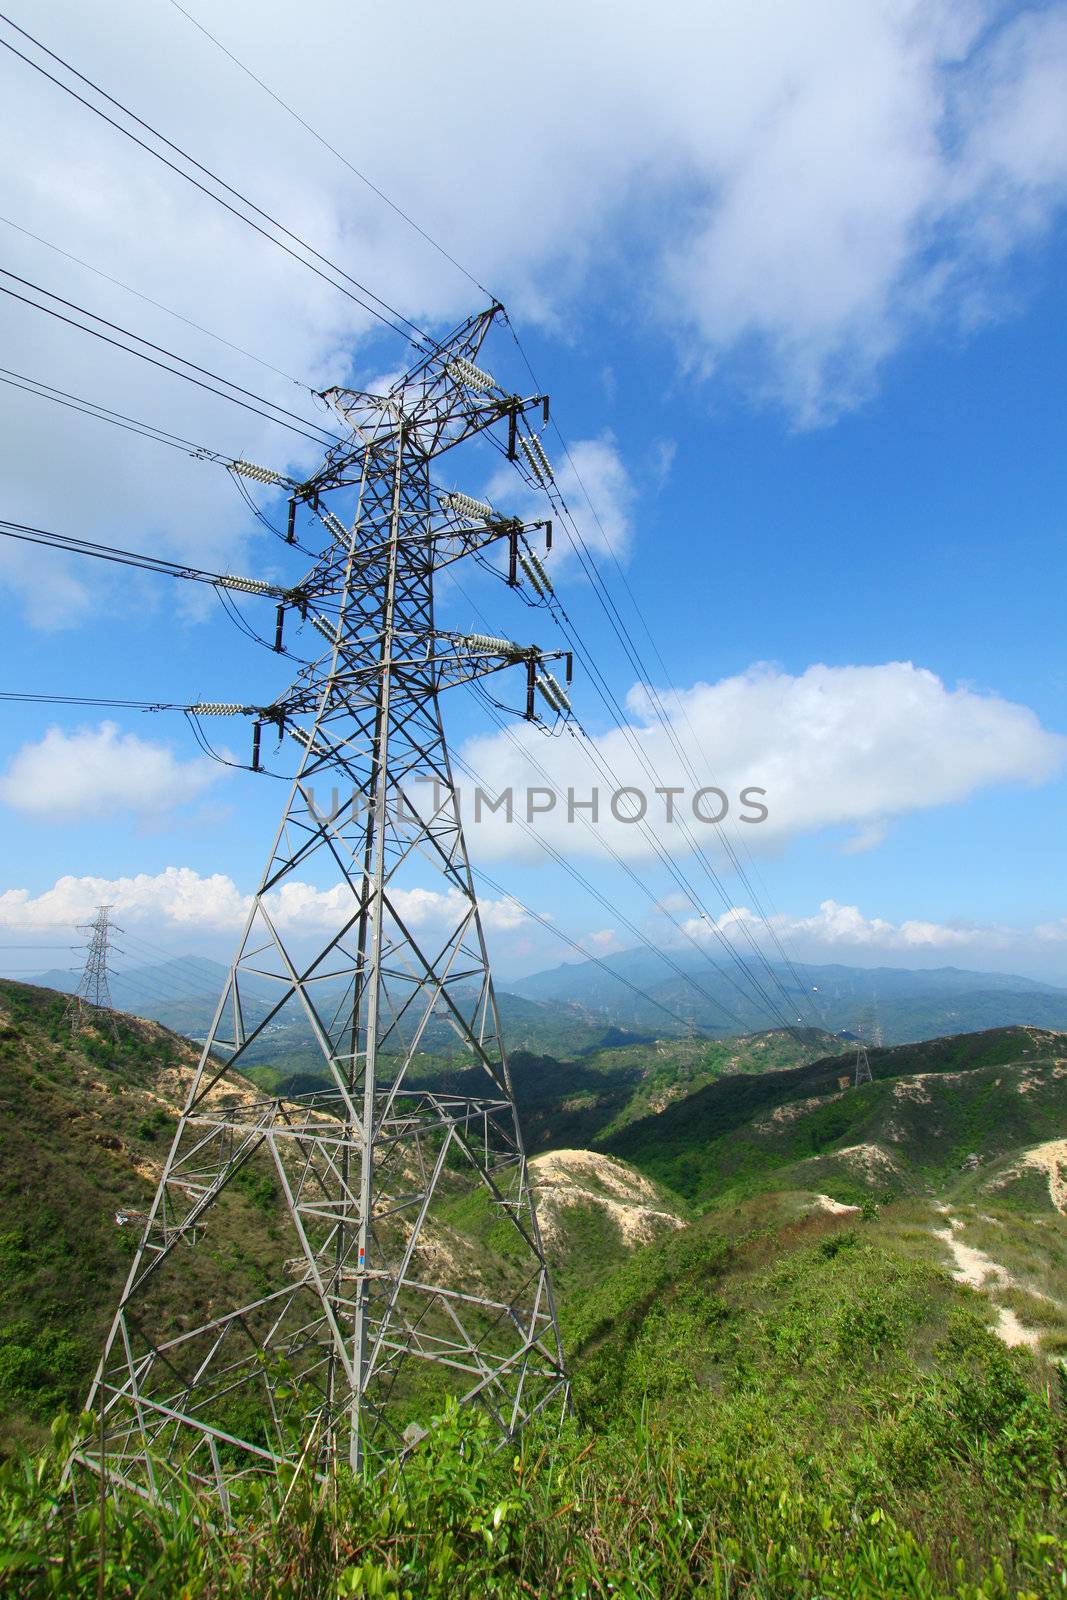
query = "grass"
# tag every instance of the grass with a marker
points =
(784, 1407)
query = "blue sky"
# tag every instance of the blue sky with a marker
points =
(797, 294)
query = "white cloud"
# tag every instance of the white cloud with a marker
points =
(596, 484)
(832, 747)
(796, 187)
(885, 158)
(95, 773)
(845, 932)
(178, 898)
(835, 924)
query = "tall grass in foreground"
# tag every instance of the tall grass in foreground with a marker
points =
(807, 1412)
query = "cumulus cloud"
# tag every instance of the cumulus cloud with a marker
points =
(180, 899)
(830, 747)
(596, 484)
(792, 189)
(847, 933)
(836, 925)
(101, 772)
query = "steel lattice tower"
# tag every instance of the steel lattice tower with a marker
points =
(863, 1066)
(93, 987)
(367, 1318)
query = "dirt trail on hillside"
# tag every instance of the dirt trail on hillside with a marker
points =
(979, 1271)
(1051, 1159)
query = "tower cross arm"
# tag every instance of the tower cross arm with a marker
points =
(433, 425)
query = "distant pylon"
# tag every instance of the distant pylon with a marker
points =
(863, 1072)
(93, 988)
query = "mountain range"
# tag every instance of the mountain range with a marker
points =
(892, 1005)
(580, 1006)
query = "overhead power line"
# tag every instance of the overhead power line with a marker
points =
(88, 700)
(321, 436)
(321, 139)
(573, 944)
(658, 848)
(169, 311)
(619, 627)
(133, 558)
(119, 419)
(359, 292)
(575, 534)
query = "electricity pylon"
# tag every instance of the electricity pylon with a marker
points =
(863, 1066)
(93, 988)
(370, 1306)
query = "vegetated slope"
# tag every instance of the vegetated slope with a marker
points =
(575, 1102)
(87, 1122)
(567, 1103)
(931, 1107)
(773, 1400)
(767, 1406)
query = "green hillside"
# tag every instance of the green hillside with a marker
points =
(782, 1397)
(783, 1405)
(931, 1107)
(86, 1126)
(587, 1090)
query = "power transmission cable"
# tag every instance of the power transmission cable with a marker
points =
(148, 979)
(155, 987)
(148, 430)
(327, 437)
(130, 558)
(724, 837)
(660, 850)
(158, 304)
(576, 537)
(616, 711)
(315, 134)
(650, 893)
(7, 971)
(162, 365)
(609, 699)
(603, 900)
(384, 315)
(150, 950)
(86, 700)
(224, 584)
(102, 413)
(566, 939)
